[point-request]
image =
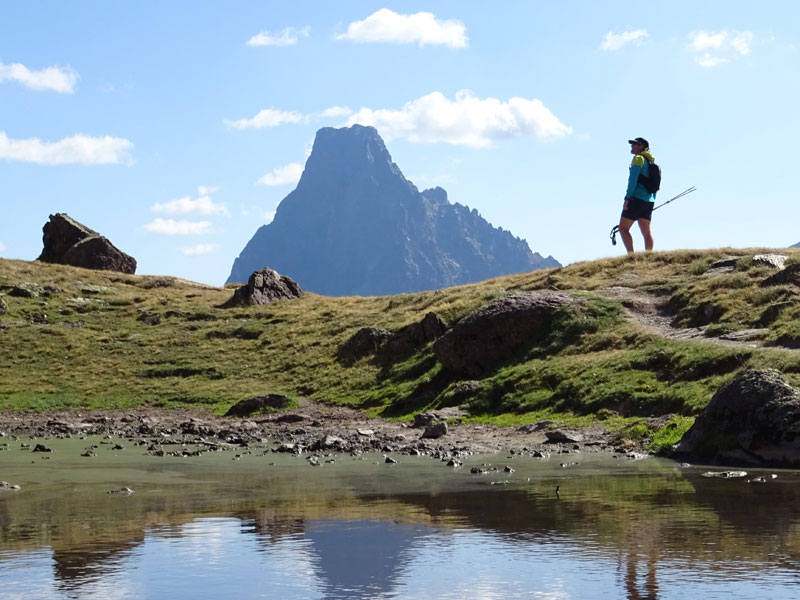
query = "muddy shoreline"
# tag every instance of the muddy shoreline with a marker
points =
(312, 428)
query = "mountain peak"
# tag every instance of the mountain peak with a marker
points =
(356, 226)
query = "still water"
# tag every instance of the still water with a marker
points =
(273, 526)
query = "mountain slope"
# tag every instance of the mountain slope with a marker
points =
(75, 338)
(356, 226)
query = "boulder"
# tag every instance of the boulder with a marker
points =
(770, 260)
(424, 419)
(753, 420)
(789, 275)
(245, 408)
(391, 345)
(68, 242)
(435, 430)
(492, 334)
(563, 436)
(409, 338)
(264, 287)
(365, 341)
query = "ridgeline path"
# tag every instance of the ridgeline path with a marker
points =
(646, 310)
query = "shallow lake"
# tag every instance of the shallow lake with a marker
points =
(266, 525)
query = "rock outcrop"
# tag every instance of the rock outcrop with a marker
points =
(789, 275)
(245, 408)
(264, 287)
(356, 226)
(389, 345)
(492, 334)
(753, 420)
(68, 242)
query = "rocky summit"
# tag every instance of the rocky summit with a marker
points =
(68, 242)
(356, 226)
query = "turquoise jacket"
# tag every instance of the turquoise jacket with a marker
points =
(639, 166)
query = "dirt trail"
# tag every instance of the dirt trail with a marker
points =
(645, 309)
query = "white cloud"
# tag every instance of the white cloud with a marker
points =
(708, 61)
(714, 49)
(203, 205)
(205, 190)
(284, 175)
(286, 37)
(173, 227)
(336, 111)
(741, 42)
(75, 150)
(702, 40)
(268, 216)
(468, 120)
(52, 78)
(200, 249)
(2, 247)
(615, 41)
(268, 117)
(422, 28)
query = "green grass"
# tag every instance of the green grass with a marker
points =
(91, 339)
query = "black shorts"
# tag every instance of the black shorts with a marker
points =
(638, 209)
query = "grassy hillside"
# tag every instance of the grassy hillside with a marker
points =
(73, 338)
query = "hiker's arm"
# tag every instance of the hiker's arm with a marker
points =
(633, 175)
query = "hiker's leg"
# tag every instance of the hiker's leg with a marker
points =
(625, 233)
(644, 227)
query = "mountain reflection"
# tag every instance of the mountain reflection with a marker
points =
(337, 542)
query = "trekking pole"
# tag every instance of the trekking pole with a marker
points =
(615, 229)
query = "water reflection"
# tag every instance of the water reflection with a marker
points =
(363, 530)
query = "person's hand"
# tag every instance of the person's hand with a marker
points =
(625, 204)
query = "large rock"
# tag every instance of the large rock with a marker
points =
(789, 275)
(356, 226)
(753, 420)
(391, 345)
(492, 334)
(245, 408)
(264, 287)
(365, 341)
(409, 338)
(68, 242)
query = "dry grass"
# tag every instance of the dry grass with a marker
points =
(98, 339)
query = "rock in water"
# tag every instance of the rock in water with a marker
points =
(266, 286)
(68, 242)
(753, 420)
(356, 226)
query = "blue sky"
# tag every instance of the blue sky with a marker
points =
(175, 128)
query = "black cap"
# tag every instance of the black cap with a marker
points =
(639, 140)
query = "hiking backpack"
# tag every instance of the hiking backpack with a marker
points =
(652, 182)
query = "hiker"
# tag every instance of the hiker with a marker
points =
(639, 202)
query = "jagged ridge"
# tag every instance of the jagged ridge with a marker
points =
(356, 226)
